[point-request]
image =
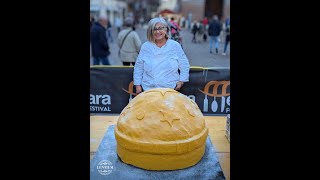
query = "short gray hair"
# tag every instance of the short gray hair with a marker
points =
(128, 21)
(153, 23)
(102, 16)
(215, 17)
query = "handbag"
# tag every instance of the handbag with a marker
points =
(123, 42)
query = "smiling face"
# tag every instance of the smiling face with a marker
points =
(159, 32)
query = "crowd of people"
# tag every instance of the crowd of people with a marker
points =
(161, 61)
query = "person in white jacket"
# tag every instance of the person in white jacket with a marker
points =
(160, 60)
(131, 43)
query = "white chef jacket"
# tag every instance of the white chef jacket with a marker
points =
(158, 67)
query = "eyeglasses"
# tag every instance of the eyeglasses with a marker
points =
(161, 28)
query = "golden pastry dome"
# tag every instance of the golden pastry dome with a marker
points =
(161, 129)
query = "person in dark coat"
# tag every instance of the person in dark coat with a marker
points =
(214, 32)
(99, 41)
(194, 30)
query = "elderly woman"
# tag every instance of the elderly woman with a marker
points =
(160, 60)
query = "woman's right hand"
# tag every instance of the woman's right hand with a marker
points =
(138, 89)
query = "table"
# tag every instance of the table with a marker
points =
(217, 131)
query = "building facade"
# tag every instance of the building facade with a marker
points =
(198, 9)
(113, 8)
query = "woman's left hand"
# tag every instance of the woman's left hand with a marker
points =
(178, 86)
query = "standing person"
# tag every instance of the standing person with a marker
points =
(200, 31)
(92, 20)
(189, 20)
(160, 60)
(227, 36)
(109, 30)
(118, 24)
(195, 30)
(214, 32)
(129, 44)
(175, 31)
(99, 41)
(175, 28)
(205, 23)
